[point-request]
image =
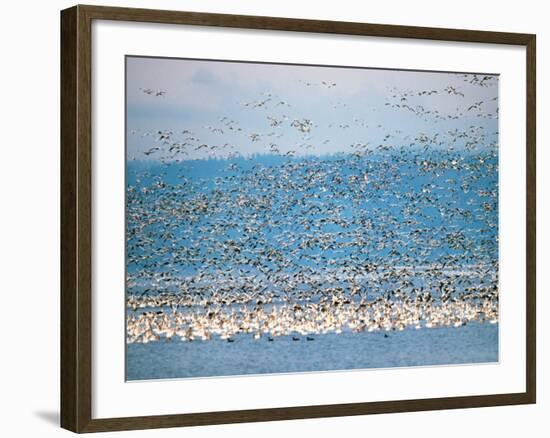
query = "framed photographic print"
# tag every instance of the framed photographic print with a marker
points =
(270, 218)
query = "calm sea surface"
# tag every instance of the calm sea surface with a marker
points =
(473, 343)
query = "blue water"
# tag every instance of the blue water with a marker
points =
(303, 229)
(473, 343)
(409, 213)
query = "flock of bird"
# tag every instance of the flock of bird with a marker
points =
(400, 234)
(304, 321)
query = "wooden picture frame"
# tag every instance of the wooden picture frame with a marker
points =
(76, 217)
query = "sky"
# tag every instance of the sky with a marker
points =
(179, 109)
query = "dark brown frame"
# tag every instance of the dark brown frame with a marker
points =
(76, 218)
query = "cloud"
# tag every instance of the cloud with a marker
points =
(204, 77)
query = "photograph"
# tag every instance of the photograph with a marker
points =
(290, 218)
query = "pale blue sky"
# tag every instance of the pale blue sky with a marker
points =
(204, 96)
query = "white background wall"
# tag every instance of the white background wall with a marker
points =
(29, 218)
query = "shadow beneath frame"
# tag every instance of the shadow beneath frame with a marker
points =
(51, 417)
